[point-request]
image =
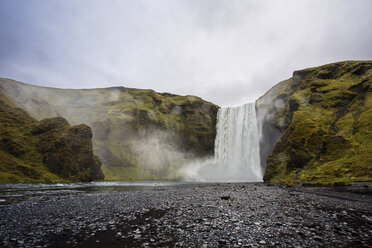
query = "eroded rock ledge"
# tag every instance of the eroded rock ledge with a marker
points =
(316, 126)
(47, 151)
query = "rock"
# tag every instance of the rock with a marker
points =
(222, 241)
(296, 141)
(226, 197)
(318, 238)
(68, 152)
(47, 125)
(78, 219)
(125, 123)
(44, 151)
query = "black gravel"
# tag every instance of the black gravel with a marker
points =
(192, 215)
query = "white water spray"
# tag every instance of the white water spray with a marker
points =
(237, 152)
(237, 142)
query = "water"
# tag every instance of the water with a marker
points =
(237, 152)
(237, 159)
(18, 192)
(237, 142)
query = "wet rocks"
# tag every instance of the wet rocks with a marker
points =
(225, 197)
(189, 215)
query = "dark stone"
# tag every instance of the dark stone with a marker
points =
(225, 197)
(361, 69)
(68, 151)
(49, 124)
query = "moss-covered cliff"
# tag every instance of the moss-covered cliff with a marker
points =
(316, 127)
(46, 151)
(322, 120)
(137, 134)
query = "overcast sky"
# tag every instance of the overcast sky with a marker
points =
(226, 51)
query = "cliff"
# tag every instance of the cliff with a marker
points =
(46, 151)
(137, 134)
(316, 127)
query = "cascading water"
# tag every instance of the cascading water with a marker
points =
(237, 143)
(237, 152)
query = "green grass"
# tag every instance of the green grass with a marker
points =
(327, 139)
(123, 119)
(22, 150)
(19, 159)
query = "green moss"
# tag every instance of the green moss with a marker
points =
(123, 119)
(187, 121)
(25, 141)
(19, 159)
(326, 139)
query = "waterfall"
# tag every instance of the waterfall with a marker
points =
(236, 149)
(237, 143)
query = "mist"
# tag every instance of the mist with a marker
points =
(159, 155)
(142, 150)
(236, 150)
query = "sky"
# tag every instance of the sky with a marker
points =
(229, 52)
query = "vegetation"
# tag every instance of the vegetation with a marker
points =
(68, 150)
(315, 126)
(137, 134)
(25, 145)
(325, 117)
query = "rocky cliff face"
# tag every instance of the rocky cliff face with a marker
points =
(46, 151)
(67, 151)
(316, 127)
(137, 134)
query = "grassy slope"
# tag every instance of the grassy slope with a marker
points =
(26, 142)
(130, 127)
(19, 159)
(325, 116)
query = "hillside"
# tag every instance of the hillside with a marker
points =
(46, 151)
(315, 128)
(137, 134)
(318, 125)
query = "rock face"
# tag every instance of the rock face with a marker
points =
(137, 134)
(68, 150)
(316, 127)
(46, 151)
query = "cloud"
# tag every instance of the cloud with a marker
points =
(227, 52)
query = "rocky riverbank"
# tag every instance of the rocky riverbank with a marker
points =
(191, 215)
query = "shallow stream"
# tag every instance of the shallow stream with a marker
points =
(18, 192)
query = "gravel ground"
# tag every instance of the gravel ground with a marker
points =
(192, 215)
